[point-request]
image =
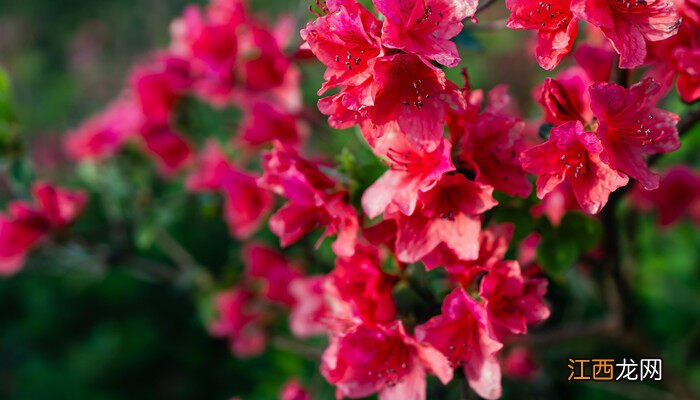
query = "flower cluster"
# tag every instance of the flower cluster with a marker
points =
(450, 153)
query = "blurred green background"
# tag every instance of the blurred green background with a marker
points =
(72, 328)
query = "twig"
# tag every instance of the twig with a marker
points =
(190, 271)
(295, 346)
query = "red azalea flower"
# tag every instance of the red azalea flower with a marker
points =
(630, 24)
(688, 66)
(24, 225)
(346, 40)
(557, 27)
(414, 95)
(493, 245)
(264, 122)
(491, 145)
(360, 281)
(411, 172)
(449, 214)
(573, 154)
(678, 194)
(103, 135)
(212, 50)
(246, 204)
(310, 311)
(425, 27)
(273, 269)
(520, 363)
(160, 84)
(292, 390)
(630, 127)
(384, 359)
(461, 333)
(239, 321)
(170, 149)
(512, 301)
(313, 202)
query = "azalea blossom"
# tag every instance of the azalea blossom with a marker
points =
(678, 194)
(310, 310)
(24, 225)
(461, 333)
(425, 27)
(629, 24)
(384, 359)
(574, 155)
(493, 245)
(275, 271)
(292, 390)
(360, 281)
(630, 127)
(314, 201)
(556, 25)
(239, 320)
(491, 145)
(512, 301)
(449, 214)
(411, 172)
(103, 135)
(246, 204)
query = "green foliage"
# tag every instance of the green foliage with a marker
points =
(561, 246)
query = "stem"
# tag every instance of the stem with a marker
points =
(191, 273)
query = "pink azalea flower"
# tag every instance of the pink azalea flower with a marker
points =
(690, 11)
(246, 204)
(346, 40)
(566, 98)
(688, 65)
(630, 24)
(263, 66)
(630, 126)
(212, 50)
(557, 27)
(384, 359)
(425, 27)
(170, 149)
(273, 269)
(160, 84)
(520, 363)
(265, 122)
(103, 135)
(411, 172)
(313, 202)
(461, 333)
(512, 301)
(493, 245)
(292, 390)
(239, 321)
(678, 194)
(449, 214)
(573, 154)
(491, 146)
(24, 225)
(414, 95)
(360, 281)
(310, 311)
